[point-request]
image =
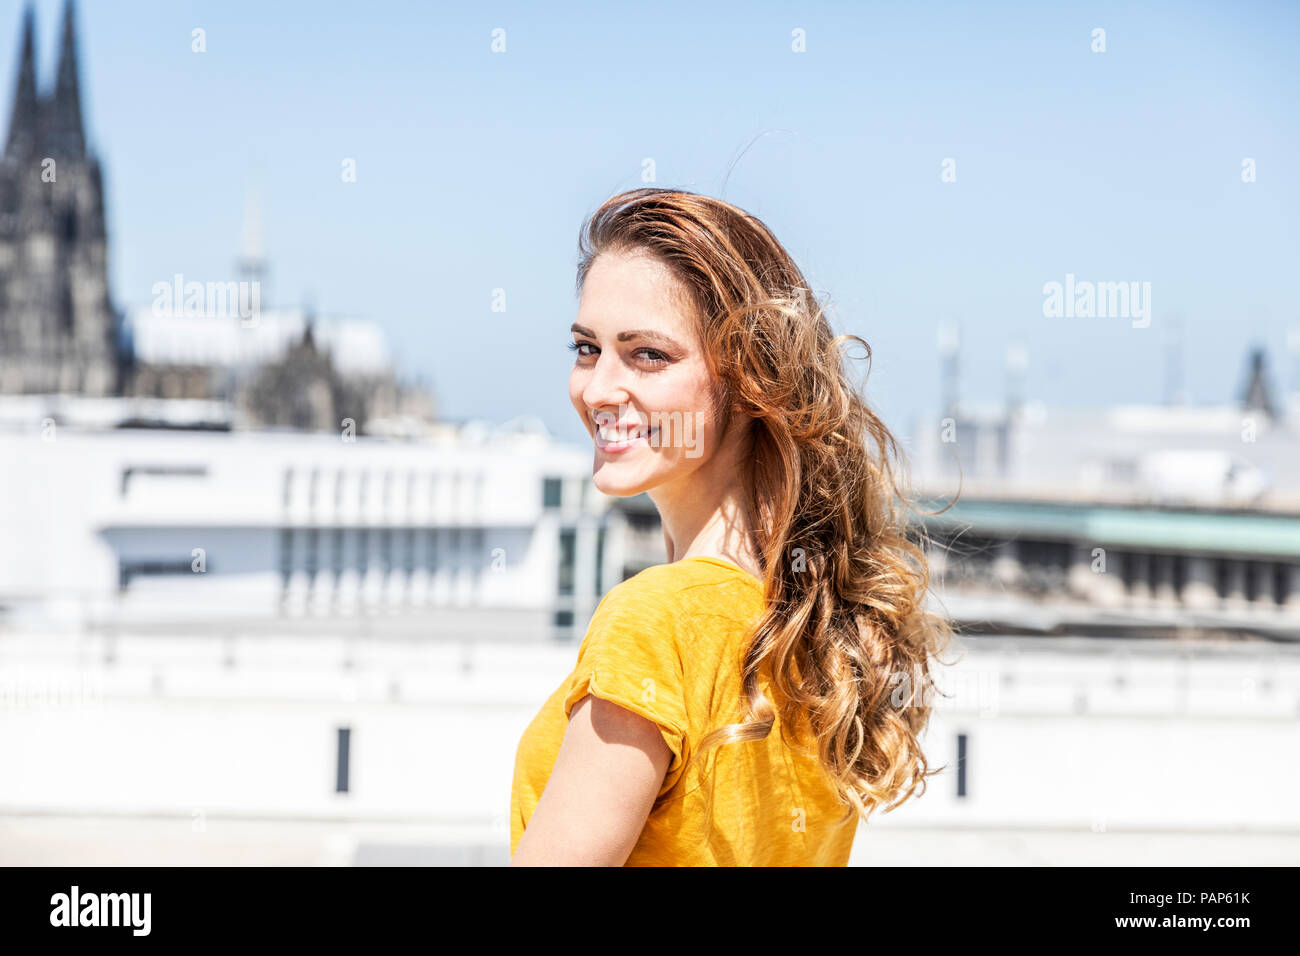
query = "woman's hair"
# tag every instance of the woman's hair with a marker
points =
(844, 637)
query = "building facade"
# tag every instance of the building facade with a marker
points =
(58, 327)
(1163, 520)
(186, 524)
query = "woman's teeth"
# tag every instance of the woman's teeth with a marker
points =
(615, 438)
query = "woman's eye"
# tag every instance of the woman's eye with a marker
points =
(653, 357)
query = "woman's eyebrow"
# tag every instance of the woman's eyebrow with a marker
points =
(648, 334)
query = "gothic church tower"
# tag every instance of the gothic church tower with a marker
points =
(58, 329)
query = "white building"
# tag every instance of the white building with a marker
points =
(225, 340)
(1131, 519)
(200, 748)
(233, 647)
(205, 528)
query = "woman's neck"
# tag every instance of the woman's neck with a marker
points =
(704, 513)
(698, 527)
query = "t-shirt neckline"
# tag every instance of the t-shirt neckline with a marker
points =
(726, 564)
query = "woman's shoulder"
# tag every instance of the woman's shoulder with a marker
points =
(679, 588)
(700, 571)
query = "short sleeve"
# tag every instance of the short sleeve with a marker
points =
(630, 657)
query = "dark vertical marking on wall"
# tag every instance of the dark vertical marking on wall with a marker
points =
(961, 765)
(345, 734)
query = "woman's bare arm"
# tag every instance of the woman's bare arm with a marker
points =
(606, 776)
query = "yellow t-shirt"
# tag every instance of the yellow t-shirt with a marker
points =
(667, 644)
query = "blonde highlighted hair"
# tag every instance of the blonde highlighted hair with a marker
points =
(845, 639)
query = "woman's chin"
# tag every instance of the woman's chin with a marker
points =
(608, 482)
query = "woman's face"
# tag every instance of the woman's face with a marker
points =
(640, 372)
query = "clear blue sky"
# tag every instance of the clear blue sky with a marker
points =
(475, 171)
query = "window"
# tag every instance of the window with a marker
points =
(1044, 565)
(600, 561)
(336, 554)
(1252, 571)
(1180, 575)
(313, 544)
(1221, 577)
(1135, 569)
(568, 546)
(1047, 554)
(1162, 570)
(286, 556)
(189, 471)
(130, 569)
(431, 548)
(476, 561)
(552, 492)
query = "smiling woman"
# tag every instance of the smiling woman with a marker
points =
(632, 309)
(750, 701)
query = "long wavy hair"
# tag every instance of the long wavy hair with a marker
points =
(845, 639)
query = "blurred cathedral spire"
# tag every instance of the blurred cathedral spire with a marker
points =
(58, 328)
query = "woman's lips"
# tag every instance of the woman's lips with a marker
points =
(617, 447)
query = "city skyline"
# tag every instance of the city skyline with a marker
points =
(1066, 174)
(313, 601)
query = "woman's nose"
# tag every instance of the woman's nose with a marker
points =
(605, 387)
